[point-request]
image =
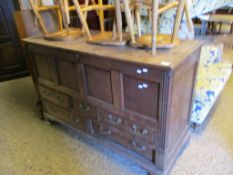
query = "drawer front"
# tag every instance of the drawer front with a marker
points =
(141, 96)
(85, 109)
(71, 117)
(57, 112)
(119, 137)
(55, 97)
(137, 130)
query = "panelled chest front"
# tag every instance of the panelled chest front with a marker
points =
(140, 110)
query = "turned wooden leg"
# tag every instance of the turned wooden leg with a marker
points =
(188, 18)
(129, 20)
(101, 16)
(38, 16)
(118, 19)
(155, 7)
(82, 19)
(178, 19)
(114, 30)
(138, 20)
(65, 22)
(67, 14)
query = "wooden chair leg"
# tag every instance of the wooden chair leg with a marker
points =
(67, 13)
(65, 22)
(38, 16)
(114, 30)
(129, 20)
(138, 21)
(118, 19)
(178, 19)
(189, 18)
(82, 19)
(101, 16)
(85, 12)
(155, 8)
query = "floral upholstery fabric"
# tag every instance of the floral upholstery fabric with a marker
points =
(211, 78)
(197, 7)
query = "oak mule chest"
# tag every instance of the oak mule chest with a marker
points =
(136, 103)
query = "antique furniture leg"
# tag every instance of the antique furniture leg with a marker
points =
(66, 7)
(138, 19)
(129, 20)
(118, 19)
(178, 20)
(82, 18)
(155, 7)
(101, 16)
(64, 17)
(189, 19)
(38, 16)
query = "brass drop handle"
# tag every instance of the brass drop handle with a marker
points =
(60, 99)
(114, 121)
(84, 107)
(105, 132)
(81, 106)
(138, 147)
(142, 132)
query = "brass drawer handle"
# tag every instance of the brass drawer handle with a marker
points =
(60, 99)
(141, 132)
(105, 132)
(84, 107)
(138, 147)
(114, 121)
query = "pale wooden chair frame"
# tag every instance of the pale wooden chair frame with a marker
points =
(182, 5)
(62, 9)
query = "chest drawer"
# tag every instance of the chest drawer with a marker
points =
(119, 137)
(55, 97)
(57, 112)
(137, 130)
(85, 109)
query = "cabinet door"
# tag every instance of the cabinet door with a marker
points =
(98, 83)
(12, 62)
(141, 96)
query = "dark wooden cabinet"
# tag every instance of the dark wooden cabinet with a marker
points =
(139, 107)
(12, 61)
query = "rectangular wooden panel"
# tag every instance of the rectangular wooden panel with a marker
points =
(43, 68)
(141, 96)
(56, 97)
(67, 74)
(98, 83)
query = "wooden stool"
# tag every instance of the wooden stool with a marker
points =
(115, 37)
(155, 40)
(62, 9)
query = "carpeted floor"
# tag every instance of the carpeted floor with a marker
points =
(30, 146)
